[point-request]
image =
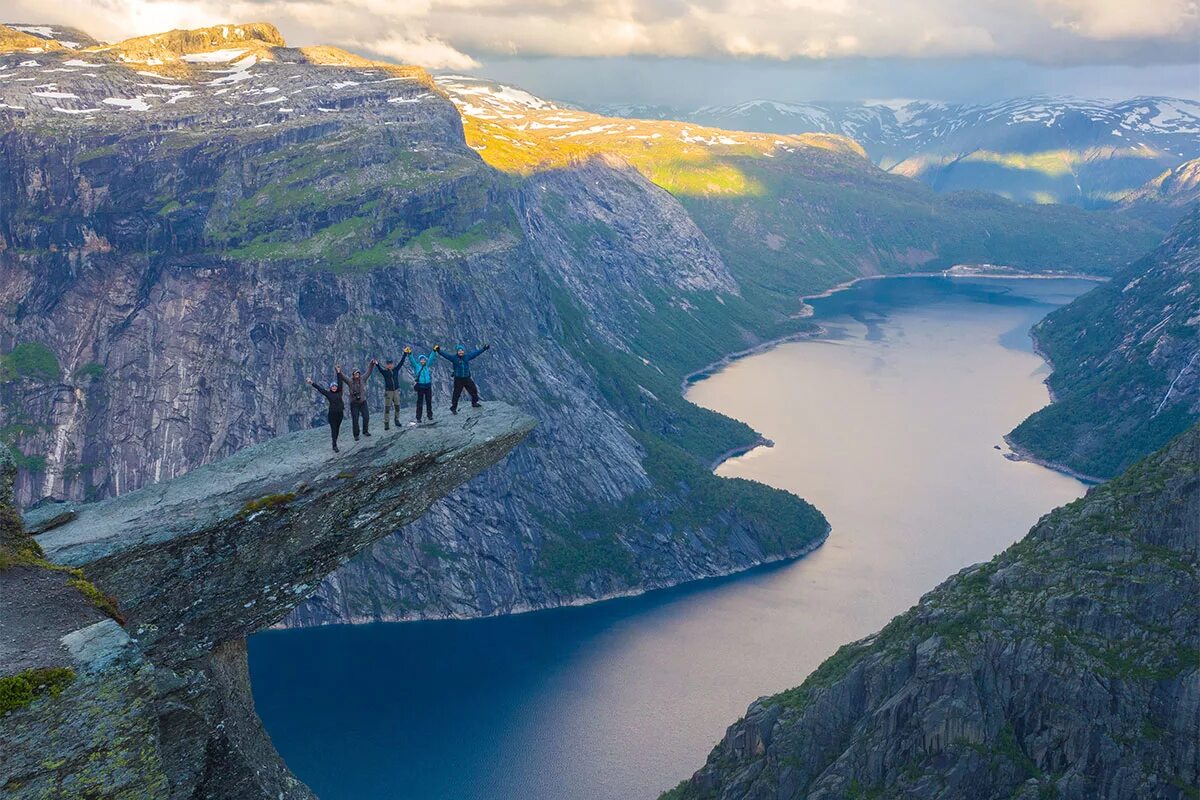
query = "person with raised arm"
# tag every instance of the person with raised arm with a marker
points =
(337, 408)
(461, 360)
(358, 397)
(422, 381)
(391, 388)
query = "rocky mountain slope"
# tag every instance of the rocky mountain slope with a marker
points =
(149, 696)
(794, 213)
(1068, 666)
(1163, 200)
(244, 215)
(1036, 149)
(192, 223)
(1126, 360)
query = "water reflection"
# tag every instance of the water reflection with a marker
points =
(888, 425)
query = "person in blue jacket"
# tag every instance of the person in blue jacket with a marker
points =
(462, 373)
(422, 371)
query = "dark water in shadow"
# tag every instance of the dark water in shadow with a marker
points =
(888, 425)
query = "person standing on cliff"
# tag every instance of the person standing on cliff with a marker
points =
(462, 373)
(391, 388)
(337, 408)
(358, 397)
(422, 382)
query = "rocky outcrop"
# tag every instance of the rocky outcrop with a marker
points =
(218, 247)
(1068, 666)
(161, 706)
(1126, 359)
(1165, 199)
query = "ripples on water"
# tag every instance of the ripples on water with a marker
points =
(888, 424)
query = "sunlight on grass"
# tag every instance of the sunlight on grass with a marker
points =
(685, 160)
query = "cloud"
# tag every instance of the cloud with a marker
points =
(428, 51)
(454, 33)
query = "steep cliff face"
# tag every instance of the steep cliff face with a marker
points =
(794, 214)
(159, 706)
(270, 213)
(190, 226)
(1126, 360)
(1068, 666)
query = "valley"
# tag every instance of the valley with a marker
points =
(358, 214)
(1089, 153)
(195, 224)
(901, 400)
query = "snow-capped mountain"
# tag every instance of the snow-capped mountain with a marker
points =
(1044, 149)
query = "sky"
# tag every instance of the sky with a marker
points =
(692, 52)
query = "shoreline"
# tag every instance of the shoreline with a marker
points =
(736, 452)
(578, 602)
(1019, 453)
(688, 380)
(716, 366)
(817, 332)
(957, 271)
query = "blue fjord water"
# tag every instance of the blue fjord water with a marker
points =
(888, 423)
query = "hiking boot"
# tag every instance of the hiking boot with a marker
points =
(366, 433)
(335, 449)
(356, 438)
(476, 404)
(453, 410)
(397, 422)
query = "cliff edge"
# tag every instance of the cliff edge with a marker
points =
(122, 646)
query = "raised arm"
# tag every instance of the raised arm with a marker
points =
(403, 357)
(450, 358)
(319, 388)
(370, 369)
(478, 352)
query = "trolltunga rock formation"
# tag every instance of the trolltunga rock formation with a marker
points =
(161, 706)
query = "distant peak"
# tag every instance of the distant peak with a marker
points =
(173, 45)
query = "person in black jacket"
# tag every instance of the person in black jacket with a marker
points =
(358, 397)
(337, 408)
(461, 360)
(391, 388)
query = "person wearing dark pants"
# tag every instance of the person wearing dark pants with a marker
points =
(337, 408)
(423, 383)
(358, 398)
(462, 374)
(391, 388)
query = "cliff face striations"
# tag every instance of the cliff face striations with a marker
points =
(192, 223)
(1068, 666)
(261, 212)
(160, 706)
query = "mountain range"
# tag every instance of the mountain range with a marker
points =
(193, 223)
(1033, 149)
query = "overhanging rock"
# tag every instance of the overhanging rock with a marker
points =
(162, 708)
(232, 547)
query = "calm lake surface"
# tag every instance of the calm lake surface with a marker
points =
(888, 424)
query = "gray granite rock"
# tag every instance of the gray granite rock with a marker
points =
(162, 708)
(1067, 667)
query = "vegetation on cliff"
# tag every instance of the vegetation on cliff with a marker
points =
(1126, 360)
(963, 696)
